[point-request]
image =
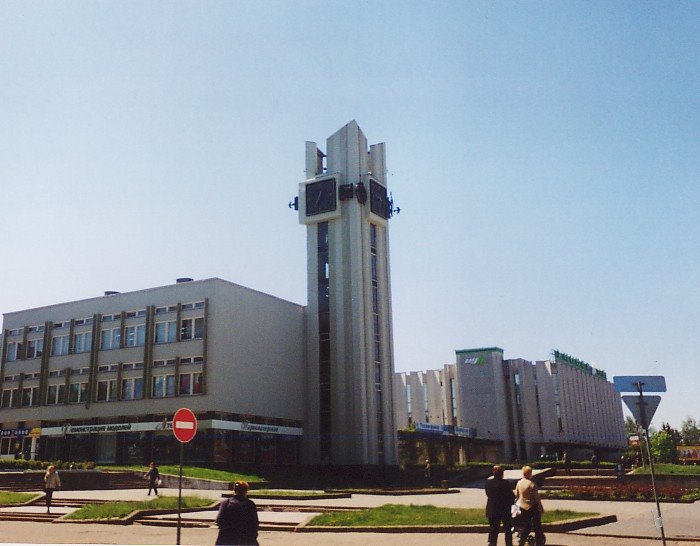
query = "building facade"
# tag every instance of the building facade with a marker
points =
(513, 409)
(99, 379)
(344, 204)
(270, 381)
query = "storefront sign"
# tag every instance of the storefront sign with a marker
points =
(111, 428)
(432, 429)
(468, 432)
(14, 432)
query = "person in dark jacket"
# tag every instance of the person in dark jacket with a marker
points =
(500, 497)
(153, 477)
(238, 518)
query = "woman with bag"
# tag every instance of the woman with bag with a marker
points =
(51, 483)
(530, 503)
(153, 477)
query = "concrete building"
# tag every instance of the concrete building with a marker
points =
(101, 378)
(270, 381)
(345, 207)
(513, 409)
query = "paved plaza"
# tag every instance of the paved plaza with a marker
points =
(634, 527)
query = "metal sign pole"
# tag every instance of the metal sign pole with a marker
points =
(651, 463)
(179, 495)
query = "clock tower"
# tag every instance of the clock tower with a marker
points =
(350, 364)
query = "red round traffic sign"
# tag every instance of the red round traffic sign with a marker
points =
(184, 425)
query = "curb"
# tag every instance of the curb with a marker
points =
(562, 527)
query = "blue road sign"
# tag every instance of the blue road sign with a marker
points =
(632, 383)
(634, 403)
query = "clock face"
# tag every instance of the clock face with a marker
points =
(320, 197)
(378, 202)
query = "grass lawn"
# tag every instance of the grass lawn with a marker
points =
(8, 497)
(399, 514)
(262, 493)
(111, 510)
(192, 472)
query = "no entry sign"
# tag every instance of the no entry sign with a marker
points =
(184, 425)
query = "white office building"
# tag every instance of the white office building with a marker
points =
(513, 409)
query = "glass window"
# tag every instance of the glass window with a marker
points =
(192, 328)
(59, 345)
(165, 332)
(158, 389)
(190, 383)
(77, 392)
(110, 339)
(106, 390)
(12, 351)
(35, 348)
(82, 342)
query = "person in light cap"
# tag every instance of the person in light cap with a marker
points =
(238, 518)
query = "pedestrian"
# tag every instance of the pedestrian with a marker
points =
(238, 518)
(499, 500)
(567, 462)
(620, 468)
(51, 482)
(427, 472)
(153, 477)
(530, 503)
(595, 462)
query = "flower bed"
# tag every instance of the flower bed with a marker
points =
(624, 492)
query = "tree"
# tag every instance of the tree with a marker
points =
(630, 426)
(672, 432)
(690, 432)
(663, 448)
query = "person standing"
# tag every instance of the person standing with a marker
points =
(530, 503)
(153, 477)
(51, 483)
(499, 499)
(238, 518)
(567, 462)
(595, 462)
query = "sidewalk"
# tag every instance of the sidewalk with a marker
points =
(634, 518)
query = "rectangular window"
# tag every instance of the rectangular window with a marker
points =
(165, 331)
(35, 348)
(106, 390)
(12, 351)
(190, 383)
(82, 342)
(132, 388)
(77, 392)
(162, 386)
(59, 345)
(135, 336)
(9, 397)
(192, 329)
(30, 396)
(110, 339)
(56, 394)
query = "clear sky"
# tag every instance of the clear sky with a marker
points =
(545, 155)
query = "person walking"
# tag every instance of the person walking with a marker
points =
(51, 482)
(530, 503)
(499, 499)
(153, 477)
(238, 518)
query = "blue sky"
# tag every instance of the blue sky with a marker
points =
(544, 155)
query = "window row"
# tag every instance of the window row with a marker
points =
(162, 386)
(134, 336)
